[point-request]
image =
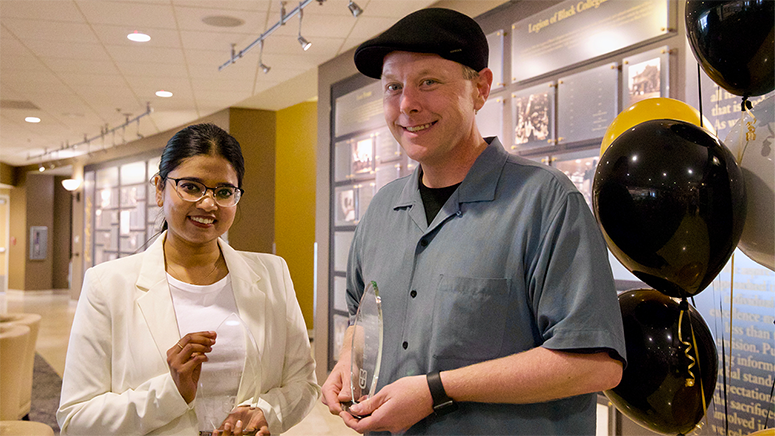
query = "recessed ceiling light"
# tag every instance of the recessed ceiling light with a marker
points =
(32, 119)
(138, 37)
(163, 93)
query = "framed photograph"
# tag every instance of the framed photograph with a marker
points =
(533, 116)
(342, 241)
(345, 209)
(645, 75)
(363, 156)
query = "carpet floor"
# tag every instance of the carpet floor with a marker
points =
(46, 387)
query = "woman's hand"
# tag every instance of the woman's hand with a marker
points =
(185, 361)
(234, 424)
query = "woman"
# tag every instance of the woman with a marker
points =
(145, 327)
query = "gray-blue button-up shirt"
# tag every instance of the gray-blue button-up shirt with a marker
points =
(514, 260)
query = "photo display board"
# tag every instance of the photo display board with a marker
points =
(533, 116)
(645, 75)
(359, 110)
(586, 103)
(575, 31)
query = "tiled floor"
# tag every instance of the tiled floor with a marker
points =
(57, 310)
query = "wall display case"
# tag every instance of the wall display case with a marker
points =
(364, 158)
(645, 75)
(587, 103)
(533, 116)
(120, 213)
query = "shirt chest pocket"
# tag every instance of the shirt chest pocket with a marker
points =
(469, 315)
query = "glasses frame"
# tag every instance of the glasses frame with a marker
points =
(239, 191)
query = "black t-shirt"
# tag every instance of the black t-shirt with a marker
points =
(434, 198)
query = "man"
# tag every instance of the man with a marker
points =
(499, 307)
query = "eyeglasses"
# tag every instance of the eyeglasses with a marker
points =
(193, 191)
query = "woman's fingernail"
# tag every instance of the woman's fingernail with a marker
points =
(239, 423)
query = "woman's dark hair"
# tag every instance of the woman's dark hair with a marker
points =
(199, 139)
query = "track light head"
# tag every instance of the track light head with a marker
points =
(264, 68)
(354, 9)
(304, 43)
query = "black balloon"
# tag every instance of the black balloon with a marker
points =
(654, 391)
(670, 200)
(734, 42)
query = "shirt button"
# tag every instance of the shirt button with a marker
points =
(423, 242)
(405, 345)
(413, 293)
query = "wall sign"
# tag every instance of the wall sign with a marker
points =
(578, 30)
(38, 242)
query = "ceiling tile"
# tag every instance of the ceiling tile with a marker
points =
(57, 49)
(144, 16)
(109, 34)
(57, 10)
(61, 31)
(61, 65)
(146, 54)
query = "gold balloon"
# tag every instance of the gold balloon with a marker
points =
(653, 109)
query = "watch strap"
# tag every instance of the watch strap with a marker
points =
(442, 403)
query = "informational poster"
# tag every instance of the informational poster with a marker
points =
(739, 308)
(533, 114)
(645, 75)
(578, 30)
(586, 103)
(358, 110)
(719, 106)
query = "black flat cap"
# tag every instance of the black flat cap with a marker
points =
(445, 32)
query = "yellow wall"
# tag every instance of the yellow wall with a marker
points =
(295, 198)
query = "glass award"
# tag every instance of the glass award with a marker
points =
(366, 350)
(229, 376)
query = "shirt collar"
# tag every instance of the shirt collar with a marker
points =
(478, 185)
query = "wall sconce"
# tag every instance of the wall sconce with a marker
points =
(72, 185)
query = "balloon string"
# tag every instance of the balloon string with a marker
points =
(750, 135)
(689, 381)
(699, 369)
(699, 92)
(724, 366)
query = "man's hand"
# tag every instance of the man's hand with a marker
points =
(395, 408)
(336, 389)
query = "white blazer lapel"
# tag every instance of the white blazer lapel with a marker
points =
(156, 302)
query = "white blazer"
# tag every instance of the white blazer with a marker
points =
(116, 378)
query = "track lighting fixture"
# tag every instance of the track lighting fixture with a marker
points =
(303, 41)
(261, 65)
(282, 13)
(354, 9)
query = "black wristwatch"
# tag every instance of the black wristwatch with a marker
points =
(442, 404)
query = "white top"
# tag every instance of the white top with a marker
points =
(212, 308)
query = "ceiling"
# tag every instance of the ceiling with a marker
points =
(69, 63)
